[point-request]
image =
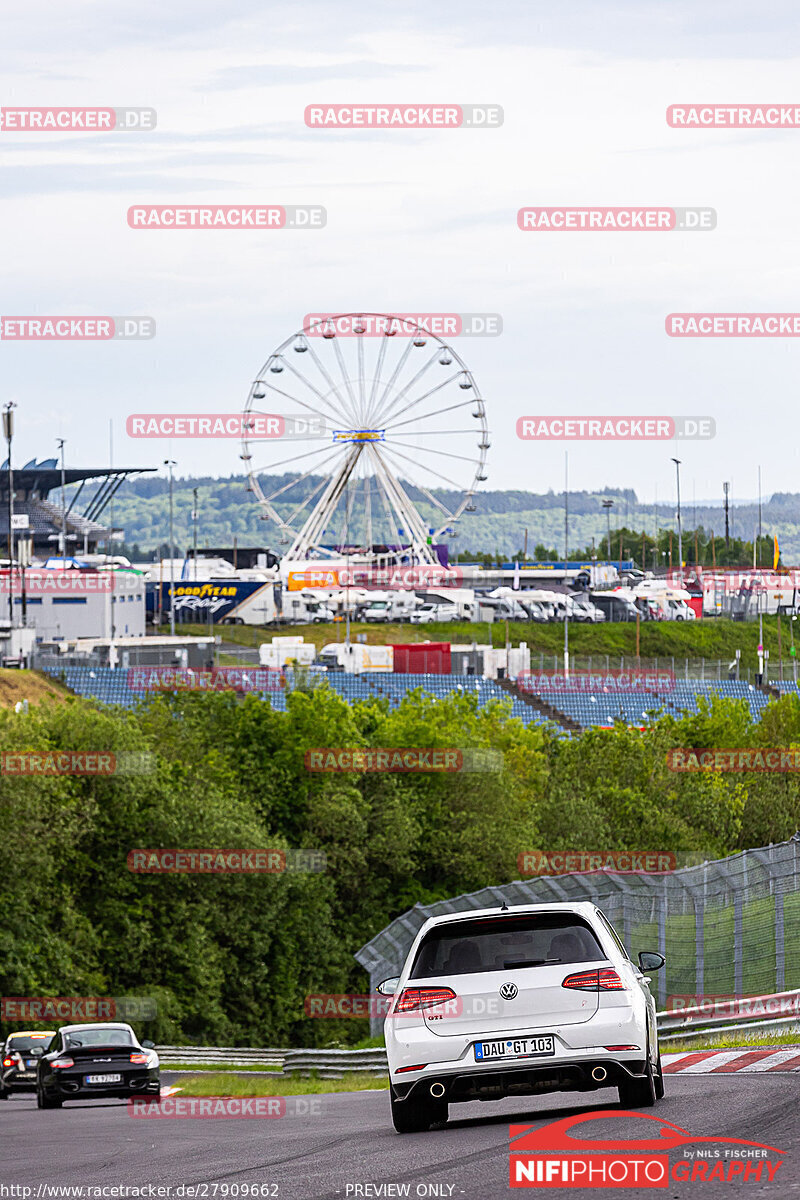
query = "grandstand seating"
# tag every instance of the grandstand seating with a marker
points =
(642, 706)
(586, 709)
(785, 685)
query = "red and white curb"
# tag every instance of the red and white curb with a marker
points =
(726, 1062)
(170, 1091)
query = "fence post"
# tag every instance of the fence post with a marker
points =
(780, 947)
(738, 942)
(662, 945)
(626, 931)
(699, 944)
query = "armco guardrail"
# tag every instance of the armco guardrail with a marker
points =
(327, 1064)
(333, 1064)
(209, 1056)
(780, 1010)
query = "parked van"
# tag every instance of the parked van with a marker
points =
(614, 606)
(429, 613)
(390, 606)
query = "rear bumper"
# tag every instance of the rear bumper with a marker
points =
(73, 1087)
(468, 1083)
(12, 1081)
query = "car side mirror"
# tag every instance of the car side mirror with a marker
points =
(388, 987)
(37, 1051)
(147, 1045)
(650, 960)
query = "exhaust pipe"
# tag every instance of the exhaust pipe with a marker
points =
(437, 1090)
(599, 1074)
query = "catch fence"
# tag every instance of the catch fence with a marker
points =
(727, 927)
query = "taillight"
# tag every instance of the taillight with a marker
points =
(8, 1062)
(64, 1062)
(419, 1067)
(411, 999)
(139, 1058)
(622, 1047)
(602, 980)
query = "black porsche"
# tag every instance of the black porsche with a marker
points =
(105, 1061)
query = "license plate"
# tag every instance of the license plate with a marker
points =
(104, 1079)
(527, 1047)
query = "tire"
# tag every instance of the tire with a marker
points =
(411, 1116)
(639, 1093)
(4, 1093)
(659, 1079)
(43, 1101)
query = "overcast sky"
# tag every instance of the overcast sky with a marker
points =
(421, 222)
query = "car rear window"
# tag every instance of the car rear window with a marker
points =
(98, 1037)
(501, 943)
(29, 1041)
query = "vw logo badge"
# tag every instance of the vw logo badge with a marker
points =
(508, 991)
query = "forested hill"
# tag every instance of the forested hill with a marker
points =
(227, 510)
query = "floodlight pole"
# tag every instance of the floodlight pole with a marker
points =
(60, 443)
(170, 463)
(8, 433)
(677, 462)
(194, 519)
(566, 562)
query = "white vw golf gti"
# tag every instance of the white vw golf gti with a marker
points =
(517, 1001)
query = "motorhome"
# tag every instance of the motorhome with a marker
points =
(382, 607)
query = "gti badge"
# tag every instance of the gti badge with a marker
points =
(508, 991)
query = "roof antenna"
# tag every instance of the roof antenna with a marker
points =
(504, 907)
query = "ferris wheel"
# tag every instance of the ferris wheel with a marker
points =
(365, 434)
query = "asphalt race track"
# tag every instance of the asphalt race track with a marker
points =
(350, 1142)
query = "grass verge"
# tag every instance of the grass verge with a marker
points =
(733, 1041)
(218, 1067)
(221, 1084)
(711, 638)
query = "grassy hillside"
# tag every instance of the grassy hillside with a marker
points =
(711, 639)
(28, 685)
